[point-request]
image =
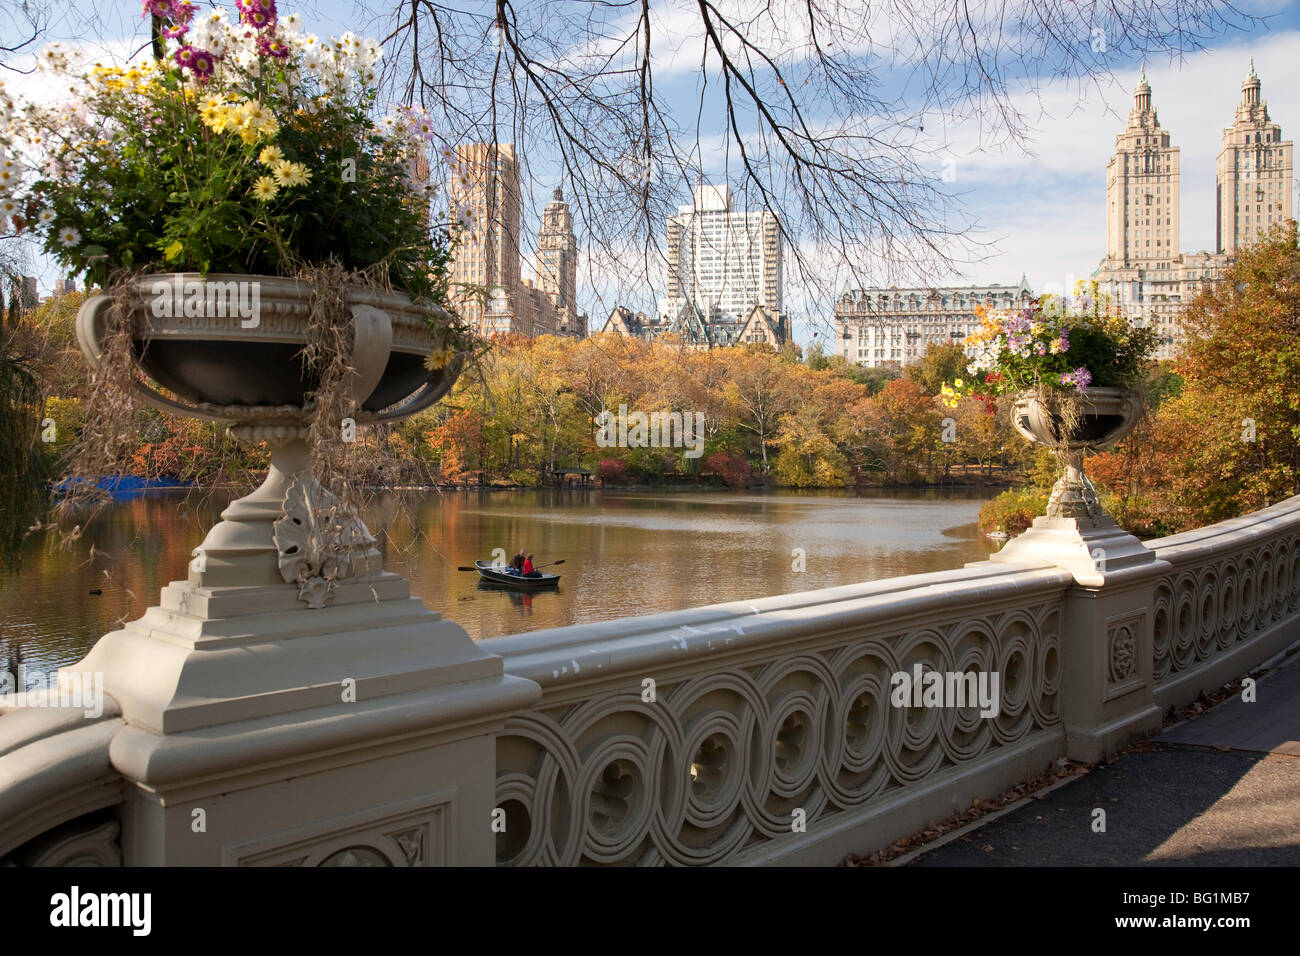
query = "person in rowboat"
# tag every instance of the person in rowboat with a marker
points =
(517, 562)
(528, 570)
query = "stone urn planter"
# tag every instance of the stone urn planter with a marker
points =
(1106, 415)
(229, 349)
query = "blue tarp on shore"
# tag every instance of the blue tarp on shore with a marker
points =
(126, 486)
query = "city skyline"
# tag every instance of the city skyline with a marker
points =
(1057, 238)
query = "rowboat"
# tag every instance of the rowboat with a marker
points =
(502, 576)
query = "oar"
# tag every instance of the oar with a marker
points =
(535, 567)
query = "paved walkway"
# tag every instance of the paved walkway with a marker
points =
(1220, 790)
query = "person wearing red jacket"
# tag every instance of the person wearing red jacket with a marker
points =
(529, 570)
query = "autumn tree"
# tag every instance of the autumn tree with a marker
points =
(940, 365)
(1233, 432)
(758, 391)
(911, 428)
(459, 440)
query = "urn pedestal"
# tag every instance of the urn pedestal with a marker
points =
(1109, 702)
(291, 703)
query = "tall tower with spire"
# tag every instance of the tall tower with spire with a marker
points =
(1254, 173)
(557, 260)
(1142, 188)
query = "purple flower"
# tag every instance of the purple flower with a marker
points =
(175, 32)
(203, 64)
(1079, 378)
(159, 8)
(269, 45)
(257, 13)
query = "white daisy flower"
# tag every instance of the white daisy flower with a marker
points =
(45, 217)
(69, 237)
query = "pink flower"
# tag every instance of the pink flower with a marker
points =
(175, 32)
(159, 8)
(268, 45)
(257, 13)
(184, 56)
(203, 65)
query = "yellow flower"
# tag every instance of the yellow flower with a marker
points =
(254, 113)
(264, 188)
(252, 117)
(439, 358)
(270, 156)
(957, 383)
(290, 174)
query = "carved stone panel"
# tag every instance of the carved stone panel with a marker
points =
(414, 832)
(1123, 645)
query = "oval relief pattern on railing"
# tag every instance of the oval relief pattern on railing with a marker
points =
(728, 758)
(1201, 611)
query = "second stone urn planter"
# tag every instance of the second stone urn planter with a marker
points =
(1105, 416)
(230, 349)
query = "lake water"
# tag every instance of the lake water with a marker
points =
(625, 553)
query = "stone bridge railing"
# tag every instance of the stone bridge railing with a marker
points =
(764, 730)
(742, 733)
(1229, 601)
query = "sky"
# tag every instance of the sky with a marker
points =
(1041, 208)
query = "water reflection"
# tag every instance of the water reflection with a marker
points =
(625, 553)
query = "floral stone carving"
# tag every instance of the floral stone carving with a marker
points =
(320, 540)
(1123, 653)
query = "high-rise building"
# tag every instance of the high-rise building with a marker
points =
(487, 288)
(1254, 175)
(1142, 188)
(487, 262)
(557, 264)
(721, 262)
(876, 327)
(1144, 269)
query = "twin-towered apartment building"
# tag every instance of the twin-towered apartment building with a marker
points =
(1144, 267)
